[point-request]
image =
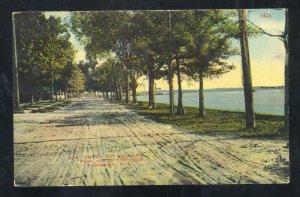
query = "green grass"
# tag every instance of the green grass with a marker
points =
(216, 121)
(50, 106)
(36, 105)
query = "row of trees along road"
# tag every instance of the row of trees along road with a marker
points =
(44, 58)
(191, 44)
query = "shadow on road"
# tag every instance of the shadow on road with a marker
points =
(91, 119)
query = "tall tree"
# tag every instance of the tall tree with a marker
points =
(149, 28)
(247, 79)
(43, 49)
(77, 80)
(106, 76)
(106, 32)
(58, 51)
(170, 69)
(235, 31)
(66, 75)
(27, 43)
(209, 49)
(15, 67)
(180, 39)
(284, 38)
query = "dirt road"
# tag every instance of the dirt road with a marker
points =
(93, 142)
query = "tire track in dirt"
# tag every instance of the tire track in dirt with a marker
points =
(156, 151)
(94, 142)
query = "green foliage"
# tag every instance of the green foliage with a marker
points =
(77, 80)
(231, 27)
(151, 41)
(67, 71)
(29, 37)
(100, 31)
(43, 44)
(87, 69)
(106, 74)
(210, 46)
(145, 42)
(43, 49)
(104, 33)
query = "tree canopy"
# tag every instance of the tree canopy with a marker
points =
(43, 49)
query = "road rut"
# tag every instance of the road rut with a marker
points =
(94, 142)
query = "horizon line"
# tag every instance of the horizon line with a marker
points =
(277, 86)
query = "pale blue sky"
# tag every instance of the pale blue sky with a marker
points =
(267, 54)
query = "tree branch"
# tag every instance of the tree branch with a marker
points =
(155, 71)
(264, 32)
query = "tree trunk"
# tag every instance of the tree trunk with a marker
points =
(201, 95)
(120, 88)
(180, 109)
(66, 91)
(40, 96)
(116, 94)
(52, 89)
(127, 99)
(60, 95)
(133, 81)
(247, 79)
(32, 99)
(106, 96)
(171, 94)
(286, 89)
(286, 74)
(116, 89)
(15, 68)
(151, 104)
(170, 77)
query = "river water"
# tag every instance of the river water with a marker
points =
(269, 100)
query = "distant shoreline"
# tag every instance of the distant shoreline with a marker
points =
(222, 89)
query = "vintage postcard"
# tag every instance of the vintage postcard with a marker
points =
(160, 97)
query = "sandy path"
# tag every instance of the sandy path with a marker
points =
(94, 142)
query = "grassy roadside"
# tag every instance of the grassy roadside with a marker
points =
(44, 106)
(216, 121)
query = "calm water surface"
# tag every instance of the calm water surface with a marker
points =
(269, 101)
